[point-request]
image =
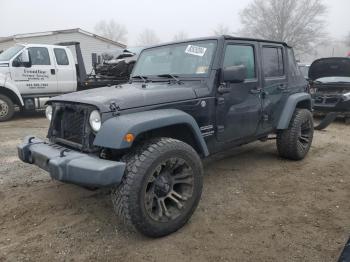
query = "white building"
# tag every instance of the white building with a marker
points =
(90, 43)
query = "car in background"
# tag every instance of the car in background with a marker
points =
(330, 86)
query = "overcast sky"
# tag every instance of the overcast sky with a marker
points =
(196, 17)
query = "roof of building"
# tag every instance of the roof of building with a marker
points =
(66, 31)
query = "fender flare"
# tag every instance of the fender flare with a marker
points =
(112, 132)
(10, 86)
(290, 106)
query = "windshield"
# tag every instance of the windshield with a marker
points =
(335, 79)
(183, 59)
(11, 52)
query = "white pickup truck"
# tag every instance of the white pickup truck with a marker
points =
(32, 73)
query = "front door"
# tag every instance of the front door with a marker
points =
(239, 110)
(40, 78)
(275, 85)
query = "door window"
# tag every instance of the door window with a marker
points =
(241, 55)
(273, 61)
(61, 56)
(293, 66)
(39, 56)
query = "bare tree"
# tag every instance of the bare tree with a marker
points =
(300, 23)
(181, 35)
(112, 30)
(221, 29)
(148, 37)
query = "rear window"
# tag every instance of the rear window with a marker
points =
(273, 61)
(61, 56)
(292, 64)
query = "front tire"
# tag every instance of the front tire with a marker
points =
(161, 188)
(7, 108)
(295, 142)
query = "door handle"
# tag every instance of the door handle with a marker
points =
(53, 71)
(256, 91)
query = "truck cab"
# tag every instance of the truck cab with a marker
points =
(32, 73)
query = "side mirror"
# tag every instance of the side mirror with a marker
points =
(235, 74)
(22, 60)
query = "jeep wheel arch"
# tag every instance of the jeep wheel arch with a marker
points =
(298, 100)
(113, 130)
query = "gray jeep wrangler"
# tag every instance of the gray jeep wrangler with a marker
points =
(184, 101)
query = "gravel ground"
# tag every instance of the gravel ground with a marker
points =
(255, 207)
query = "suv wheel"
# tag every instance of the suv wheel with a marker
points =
(295, 142)
(161, 187)
(6, 108)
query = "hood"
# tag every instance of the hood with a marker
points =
(131, 95)
(330, 67)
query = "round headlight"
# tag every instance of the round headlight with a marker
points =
(48, 112)
(95, 120)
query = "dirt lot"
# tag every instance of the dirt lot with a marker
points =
(255, 207)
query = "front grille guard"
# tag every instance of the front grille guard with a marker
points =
(57, 133)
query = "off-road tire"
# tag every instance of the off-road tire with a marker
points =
(130, 196)
(291, 143)
(8, 112)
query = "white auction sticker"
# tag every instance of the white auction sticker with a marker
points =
(195, 50)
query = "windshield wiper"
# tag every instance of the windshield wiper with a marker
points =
(178, 81)
(143, 78)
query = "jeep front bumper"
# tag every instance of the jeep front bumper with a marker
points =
(71, 166)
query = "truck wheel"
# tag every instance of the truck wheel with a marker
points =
(295, 142)
(7, 109)
(161, 188)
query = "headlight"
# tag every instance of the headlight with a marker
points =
(95, 120)
(48, 112)
(346, 96)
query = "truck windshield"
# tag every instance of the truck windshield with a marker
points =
(182, 59)
(11, 52)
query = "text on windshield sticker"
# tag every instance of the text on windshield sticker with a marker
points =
(195, 50)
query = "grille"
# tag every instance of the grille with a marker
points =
(327, 100)
(73, 125)
(69, 126)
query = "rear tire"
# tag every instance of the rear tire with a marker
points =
(161, 188)
(7, 108)
(295, 142)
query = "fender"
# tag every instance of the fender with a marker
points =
(290, 107)
(113, 130)
(5, 82)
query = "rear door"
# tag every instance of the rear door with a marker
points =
(65, 71)
(275, 84)
(40, 77)
(239, 111)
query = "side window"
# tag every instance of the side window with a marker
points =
(241, 55)
(273, 61)
(292, 64)
(39, 55)
(61, 56)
